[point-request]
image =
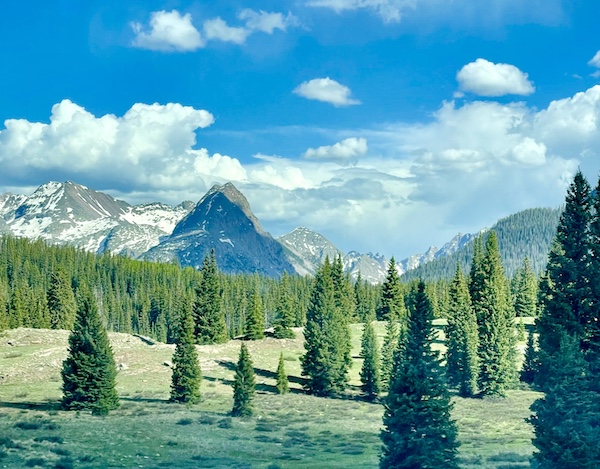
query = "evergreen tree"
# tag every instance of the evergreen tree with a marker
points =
(210, 327)
(89, 371)
(565, 294)
(285, 316)
(418, 431)
(282, 385)
(344, 312)
(392, 301)
(255, 322)
(477, 277)
(325, 335)
(525, 291)
(462, 361)
(364, 308)
(369, 373)
(61, 301)
(243, 385)
(497, 353)
(388, 351)
(186, 375)
(530, 365)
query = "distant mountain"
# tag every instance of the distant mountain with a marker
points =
(306, 250)
(222, 220)
(69, 213)
(528, 233)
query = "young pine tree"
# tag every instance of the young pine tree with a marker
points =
(418, 431)
(283, 386)
(89, 371)
(255, 322)
(530, 365)
(210, 327)
(243, 385)
(462, 362)
(186, 375)
(370, 371)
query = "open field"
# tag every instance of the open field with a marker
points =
(290, 431)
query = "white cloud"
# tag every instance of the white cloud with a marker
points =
(346, 150)
(485, 78)
(326, 90)
(390, 11)
(266, 22)
(168, 31)
(595, 60)
(218, 29)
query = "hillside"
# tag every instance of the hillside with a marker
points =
(525, 234)
(289, 431)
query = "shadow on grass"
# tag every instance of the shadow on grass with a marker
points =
(25, 405)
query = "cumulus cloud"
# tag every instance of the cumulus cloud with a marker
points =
(168, 31)
(390, 11)
(346, 150)
(326, 90)
(150, 146)
(172, 31)
(485, 78)
(595, 60)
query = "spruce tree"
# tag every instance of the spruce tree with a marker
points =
(344, 312)
(89, 371)
(392, 301)
(210, 327)
(325, 362)
(525, 291)
(186, 375)
(497, 351)
(283, 386)
(565, 294)
(462, 340)
(370, 371)
(388, 350)
(530, 364)
(243, 385)
(255, 322)
(364, 308)
(61, 301)
(418, 431)
(285, 316)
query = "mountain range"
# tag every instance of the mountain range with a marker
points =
(69, 213)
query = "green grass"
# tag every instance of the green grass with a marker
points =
(287, 431)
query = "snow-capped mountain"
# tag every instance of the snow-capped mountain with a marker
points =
(307, 250)
(222, 220)
(69, 213)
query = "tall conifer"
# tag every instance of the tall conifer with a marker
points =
(418, 431)
(186, 375)
(243, 385)
(285, 316)
(255, 322)
(370, 371)
(61, 301)
(462, 361)
(89, 371)
(388, 351)
(392, 300)
(210, 327)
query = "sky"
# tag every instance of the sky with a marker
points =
(385, 125)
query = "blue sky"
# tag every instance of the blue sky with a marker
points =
(386, 125)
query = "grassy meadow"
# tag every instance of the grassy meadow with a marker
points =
(290, 431)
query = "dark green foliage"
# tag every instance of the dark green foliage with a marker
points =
(326, 339)
(370, 371)
(565, 294)
(566, 420)
(364, 299)
(282, 385)
(392, 301)
(462, 340)
(525, 291)
(530, 365)
(255, 322)
(495, 317)
(61, 301)
(285, 316)
(418, 431)
(243, 385)
(210, 327)
(186, 375)
(388, 350)
(89, 371)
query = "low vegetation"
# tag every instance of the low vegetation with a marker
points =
(293, 430)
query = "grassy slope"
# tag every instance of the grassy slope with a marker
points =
(290, 431)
